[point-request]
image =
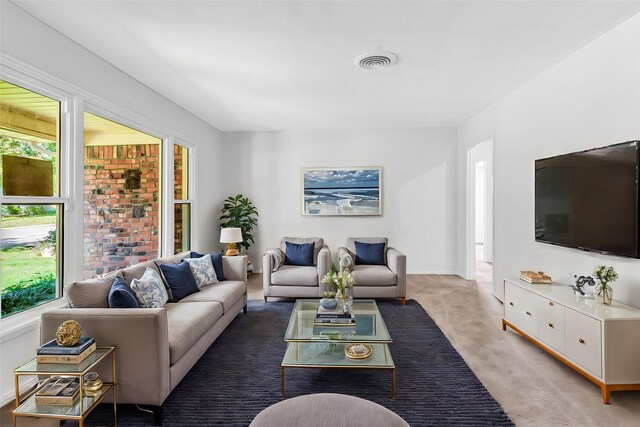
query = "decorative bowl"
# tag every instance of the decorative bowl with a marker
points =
(329, 303)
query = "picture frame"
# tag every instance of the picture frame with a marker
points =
(342, 191)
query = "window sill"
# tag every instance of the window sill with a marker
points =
(22, 323)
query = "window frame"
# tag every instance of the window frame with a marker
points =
(64, 183)
(116, 115)
(169, 248)
(74, 102)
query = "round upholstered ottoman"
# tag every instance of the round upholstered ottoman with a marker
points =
(327, 410)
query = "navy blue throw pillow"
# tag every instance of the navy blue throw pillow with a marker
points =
(216, 259)
(121, 295)
(298, 254)
(180, 280)
(369, 253)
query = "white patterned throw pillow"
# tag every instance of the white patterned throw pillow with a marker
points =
(202, 270)
(150, 290)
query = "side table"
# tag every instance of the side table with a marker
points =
(83, 406)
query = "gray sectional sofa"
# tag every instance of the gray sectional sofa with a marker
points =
(156, 347)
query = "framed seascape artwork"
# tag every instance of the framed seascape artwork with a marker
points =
(342, 191)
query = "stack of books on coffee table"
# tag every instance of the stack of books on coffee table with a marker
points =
(333, 317)
(51, 352)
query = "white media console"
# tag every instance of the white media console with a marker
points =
(601, 342)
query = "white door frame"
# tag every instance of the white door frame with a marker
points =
(474, 155)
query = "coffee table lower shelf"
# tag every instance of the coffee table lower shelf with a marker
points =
(330, 355)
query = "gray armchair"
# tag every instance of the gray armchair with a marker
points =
(376, 281)
(295, 281)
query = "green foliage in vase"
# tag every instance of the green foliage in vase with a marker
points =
(338, 280)
(239, 212)
(605, 275)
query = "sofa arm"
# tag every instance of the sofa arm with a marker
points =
(267, 267)
(235, 267)
(141, 338)
(347, 262)
(324, 262)
(397, 262)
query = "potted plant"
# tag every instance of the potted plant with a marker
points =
(604, 292)
(238, 211)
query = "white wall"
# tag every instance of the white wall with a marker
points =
(590, 99)
(418, 188)
(35, 44)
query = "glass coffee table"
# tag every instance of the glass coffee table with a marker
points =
(310, 346)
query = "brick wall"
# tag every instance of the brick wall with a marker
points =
(121, 206)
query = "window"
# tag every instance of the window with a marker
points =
(122, 197)
(182, 203)
(31, 206)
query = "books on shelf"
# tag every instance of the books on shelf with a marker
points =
(58, 391)
(52, 347)
(534, 276)
(66, 358)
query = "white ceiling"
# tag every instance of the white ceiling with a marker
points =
(261, 65)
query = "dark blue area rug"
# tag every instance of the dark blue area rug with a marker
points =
(239, 376)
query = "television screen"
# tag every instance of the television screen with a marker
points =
(589, 200)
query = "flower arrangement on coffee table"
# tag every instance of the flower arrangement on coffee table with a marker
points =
(340, 281)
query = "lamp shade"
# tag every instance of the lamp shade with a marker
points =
(230, 235)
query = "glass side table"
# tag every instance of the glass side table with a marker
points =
(86, 402)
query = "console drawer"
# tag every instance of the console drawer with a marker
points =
(583, 341)
(550, 323)
(519, 308)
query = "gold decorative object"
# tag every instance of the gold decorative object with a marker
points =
(68, 333)
(358, 351)
(92, 381)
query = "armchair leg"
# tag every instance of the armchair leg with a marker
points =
(404, 300)
(265, 300)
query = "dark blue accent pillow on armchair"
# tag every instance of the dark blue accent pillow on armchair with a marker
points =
(121, 295)
(369, 253)
(298, 254)
(216, 259)
(180, 280)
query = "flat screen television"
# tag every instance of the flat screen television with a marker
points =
(589, 200)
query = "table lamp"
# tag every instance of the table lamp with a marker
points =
(231, 236)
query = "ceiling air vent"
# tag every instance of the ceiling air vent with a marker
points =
(375, 60)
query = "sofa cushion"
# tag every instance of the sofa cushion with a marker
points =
(373, 275)
(187, 323)
(137, 271)
(293, 275)
(216, 259)
(369, 253)
(149, 289)
(92, 293)
(180, 280)
(121, 295)
(298, 254)
(318, 243)
(351, 244)
(227, 293)
(203, 271)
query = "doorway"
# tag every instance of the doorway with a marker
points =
(480, 215)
